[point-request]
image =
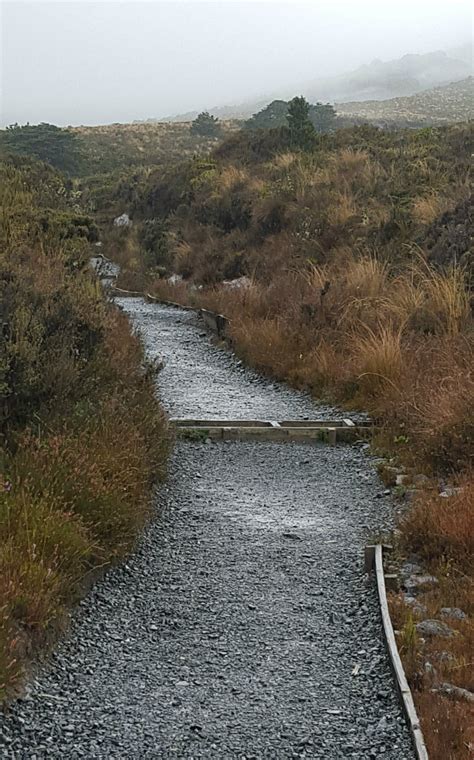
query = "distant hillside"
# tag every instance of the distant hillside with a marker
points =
(83, 151)
(107, 147)
(380, 80)
(435, 107)
(377, 80)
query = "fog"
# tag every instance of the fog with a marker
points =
(93, 63)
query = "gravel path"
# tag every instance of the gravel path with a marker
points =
(242, 627)
(199, 379)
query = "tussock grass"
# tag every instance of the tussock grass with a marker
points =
(378, 361)
(443, 527)
(428, 208)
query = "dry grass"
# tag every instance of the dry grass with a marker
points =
(343, 209)
(447, 726)
(429, 207)
(264, 343)
(378, 363)
(231, 177)
(443, 527)
(399, 345)
(447, 298)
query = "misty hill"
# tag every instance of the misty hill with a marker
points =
(378, 80)
(440, 105)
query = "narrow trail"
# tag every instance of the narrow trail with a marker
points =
(235, 629)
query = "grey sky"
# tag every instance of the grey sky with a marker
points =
(91, 63)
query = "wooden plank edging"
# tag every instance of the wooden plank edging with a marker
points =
(401, 679)
(122, 292)
(156, 299)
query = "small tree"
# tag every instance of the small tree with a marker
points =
(323, 117)
(273, 115)
(302, 131)
(206, 125)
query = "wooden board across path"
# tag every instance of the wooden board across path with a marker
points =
(313, 431)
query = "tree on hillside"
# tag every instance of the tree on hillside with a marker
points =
(302, 131)
(273, 115)
(56, 146)
(323, 117)
(206, 125)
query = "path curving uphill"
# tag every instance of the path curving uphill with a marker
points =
(242, 627)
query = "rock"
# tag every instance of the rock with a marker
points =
(434, 628)
(175, 278)
(453, 613)
(122, 221)
(456, 692)
(410, 568)
(445, 656)
(417, 583)
(449, 491)
(430, 670)
(238, 283)
(417, 607)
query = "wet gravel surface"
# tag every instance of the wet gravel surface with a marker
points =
(242, 627)
(199, 379)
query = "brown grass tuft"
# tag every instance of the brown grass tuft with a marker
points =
(443, 527)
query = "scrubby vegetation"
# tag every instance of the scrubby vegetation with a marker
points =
(206, 124)
(275, 114)
(82, 436)
(46, 142)
(345, 264)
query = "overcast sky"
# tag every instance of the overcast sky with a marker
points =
(100, 62)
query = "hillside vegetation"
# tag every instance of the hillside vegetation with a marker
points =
(441, 105)
(118, 146)
(86, 151)
(82, 436)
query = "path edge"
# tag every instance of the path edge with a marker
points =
(374, 561)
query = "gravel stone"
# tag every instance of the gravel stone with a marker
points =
(214, 639)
